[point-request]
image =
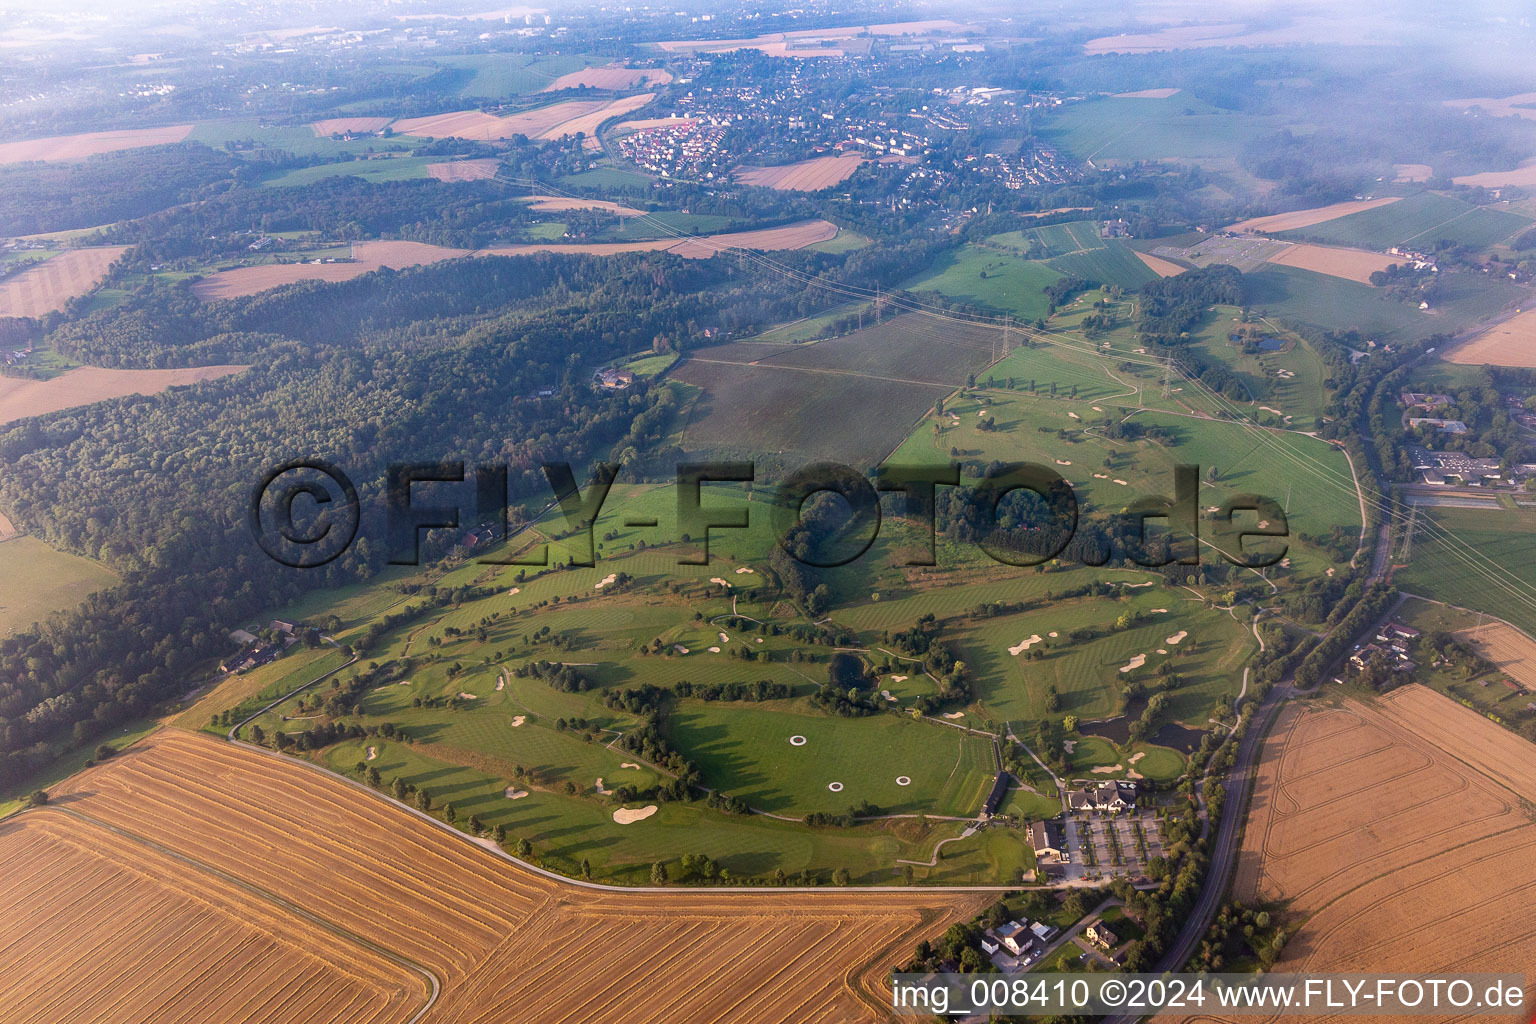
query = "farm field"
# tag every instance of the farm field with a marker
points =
(39, 580)
(370, 256)
(49, 285)
(1304, 29)
(1277, 222)
(1441, 567)
(1334, 303)
(349, 125)
(464, 170)
(805, 176)
(554, 121)
(1419, 220)
(814, 392)
(1523, 176)
(1509, 650)
(21, 397)
(78, 147)
(1350, 264)
(804, 43)
(992, 279)
(385, 168)
(1365, 814)
(1161, 267)
(493, 933)
(501, 75)
(1511, 343)
(560, 203)
(610, 76)
(80, 893)
(1176, 128)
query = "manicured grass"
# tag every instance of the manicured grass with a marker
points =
(548, 231)
(298, 139)
(985, 277)
(1334, 303)
(844, 241)
(35, 580)
(1112, 263)
(667, 224)
(745, 750)
(601, 178)
(1027, 806)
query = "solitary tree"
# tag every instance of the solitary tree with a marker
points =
(658, 873)
(37, 798)
(524, 848)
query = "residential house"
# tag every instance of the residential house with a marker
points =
(1099, 934)
(1014, 937)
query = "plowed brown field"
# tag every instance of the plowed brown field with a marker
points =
(1396, 830)
(20, 398)
(554, 204)
(1160, 266)
(48, 285)
(99, 929)
(78, 147)
(805, 176)
(495, 935)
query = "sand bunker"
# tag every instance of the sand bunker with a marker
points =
(1161, 651)
(1137, 757)
(714, 650)
(404, 682)
(836, 787)
(724, 639)
(625, 816)
(373, 752)
(1108, 769)
(1034, 638)
(1097, 409)
(1122, 483)
(1069, 745)
(599, 785)
(514, 591)
(1133, 586)
(467, 696)
(1159, 611)
(887, 695)
(680, 649)
(797, 741)
(1136, 662)
(519, 720)
(721, 582)
(1052, 633)
(898, 679)
(630, 764)
(1074, 415)
(605, 581)
(513, 793)
(1063, 462)
(745, 571)
(1180, 635)
(501, 682)
(955, 714)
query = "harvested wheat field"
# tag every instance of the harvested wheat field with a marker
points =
(78, 147)
(588, 123)
(493, 934)
(50, 284)
(20, 398)
(805, 176)
(99, 929)
(1350, 264)
(1148, 94)
(349, 125)
(1520, 105)
(791, 236)
(1413, 172)
(1373, 820)
(366, 258)
(1510, 650)
(1160, 266)
(556, 204)
(613, 76)
(465, 170)
(1511, 343)
(1306, 218)
(1524, 176)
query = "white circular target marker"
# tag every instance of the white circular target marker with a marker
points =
(902, 780)
(797, 741)
(836, 787)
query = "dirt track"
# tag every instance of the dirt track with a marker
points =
(495, 935)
